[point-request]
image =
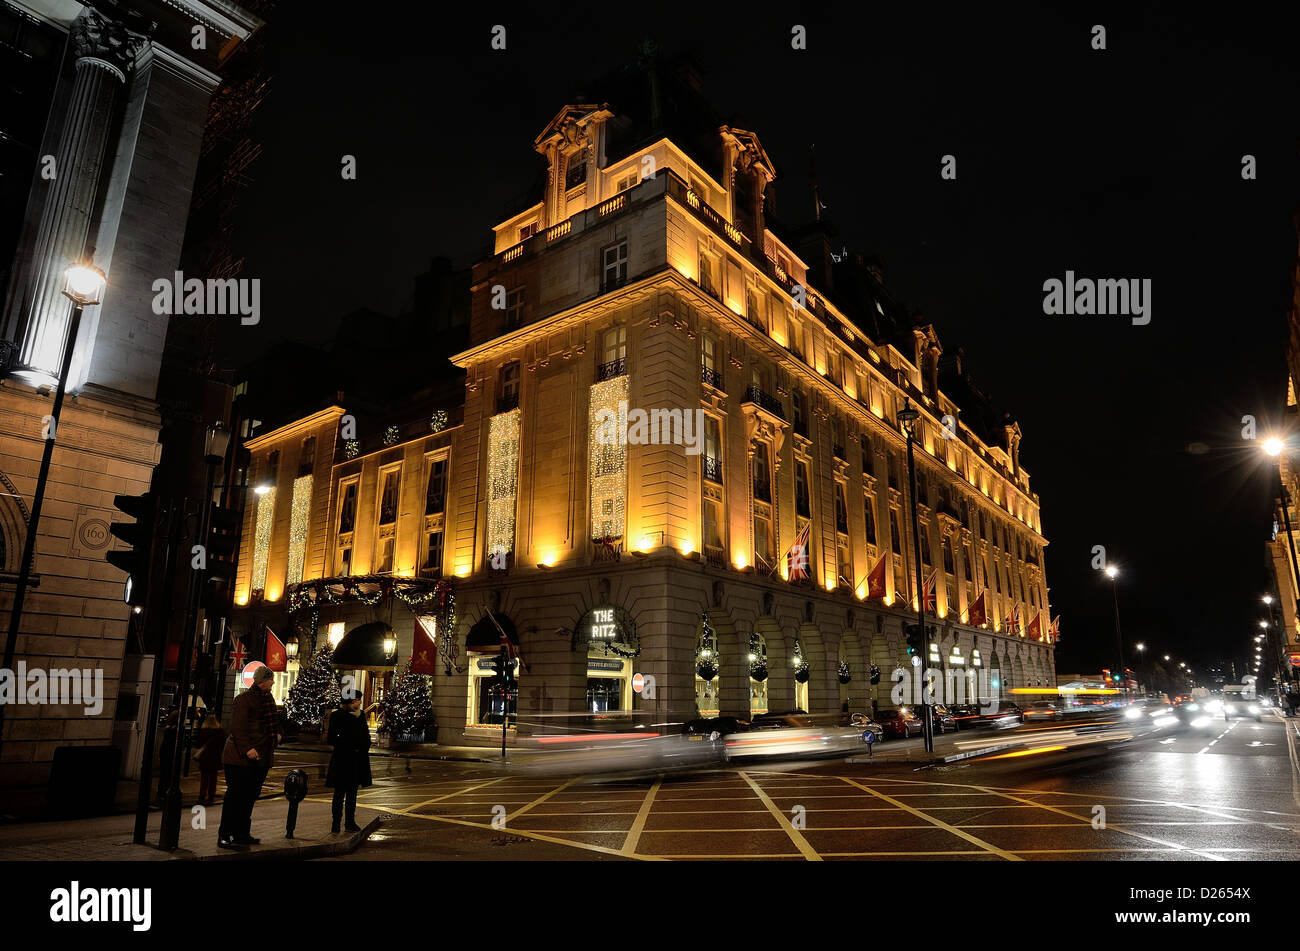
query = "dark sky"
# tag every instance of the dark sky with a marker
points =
(1122, 163)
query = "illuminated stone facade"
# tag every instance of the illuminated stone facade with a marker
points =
(644, 292)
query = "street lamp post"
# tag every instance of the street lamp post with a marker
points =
(1113, 573)
(83, 285)
(907, 417)
(216, 440)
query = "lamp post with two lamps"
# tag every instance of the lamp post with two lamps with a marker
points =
(83, 285)
(907, 418)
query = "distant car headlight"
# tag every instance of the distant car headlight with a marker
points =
(1193, 706)
(1132, 713)
(1200, 722)
(1253, 708)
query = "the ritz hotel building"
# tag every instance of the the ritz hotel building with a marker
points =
(645, 280)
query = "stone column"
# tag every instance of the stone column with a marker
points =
(104, 50)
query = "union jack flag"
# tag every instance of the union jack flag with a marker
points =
(238, 656)
(796, 559)
(927, 593)
(1013, 622)
(1055, 632)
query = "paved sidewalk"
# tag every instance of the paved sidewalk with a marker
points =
(108, 838)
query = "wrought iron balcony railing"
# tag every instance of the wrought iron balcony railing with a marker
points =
(712, 377)
(712, 469)
(608, 371)
(765, 401)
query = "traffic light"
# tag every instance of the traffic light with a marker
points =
(139, 535)
(222, 538)
(499, 665)
(508, 665)
(914, 636)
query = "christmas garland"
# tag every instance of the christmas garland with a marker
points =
(370, 590)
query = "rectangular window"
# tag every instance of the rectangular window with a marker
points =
(348, 509)
(615, 345)
(709, 358)
(895, 536)
(762, 474)
(510, 386)
(307, 458)
(800, 423)
(841, 510)
(435, 499)
(388, 496)
(925, 546)
(709, 274)
(763, 554)
(712, 524)
(751, 307)
(869, 508)
(385, 559)
(802, 503)
(431, 566)
(576, 174)
(527, 231)
(613, 266)
(515, 307)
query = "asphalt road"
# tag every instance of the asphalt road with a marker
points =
(1112, 790)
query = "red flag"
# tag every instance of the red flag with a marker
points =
(1036, 627)
(422, 650)
(977, 615)
(876, 580)
(796, 559)
(238, 656)
(277, 658)
(927, 593)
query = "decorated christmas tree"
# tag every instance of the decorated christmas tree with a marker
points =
(407, 708)
(315, 692)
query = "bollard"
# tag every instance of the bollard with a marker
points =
(295, 790)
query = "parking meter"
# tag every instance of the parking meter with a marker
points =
(295, 790)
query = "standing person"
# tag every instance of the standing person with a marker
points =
(350, 762)
(211, 741)
(247, 757)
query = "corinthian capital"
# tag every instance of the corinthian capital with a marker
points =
(97, 37)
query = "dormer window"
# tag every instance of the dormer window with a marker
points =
(527, 231)
(577, 173)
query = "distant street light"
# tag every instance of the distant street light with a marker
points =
(1113, 573)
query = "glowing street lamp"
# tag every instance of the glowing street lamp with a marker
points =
(83, 285)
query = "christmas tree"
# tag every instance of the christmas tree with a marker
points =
(407, 707)
(315, 691)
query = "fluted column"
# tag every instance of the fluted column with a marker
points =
(103, 52)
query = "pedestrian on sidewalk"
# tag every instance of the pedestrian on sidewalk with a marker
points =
(211, 743)
(254, 733)
(350, 762)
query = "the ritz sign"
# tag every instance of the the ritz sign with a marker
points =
(603, 626)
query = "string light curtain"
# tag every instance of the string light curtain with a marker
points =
(608, 455)
(503, 481)
(262, 538)
(299, 522)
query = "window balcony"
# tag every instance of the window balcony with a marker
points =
(712, 377)
(764, 401)
(611, 370)
(711, 469)
(715, 557)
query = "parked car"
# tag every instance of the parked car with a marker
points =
(1042, 710)
(900, 722)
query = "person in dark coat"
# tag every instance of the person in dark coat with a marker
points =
(254, 732)
(350, 763)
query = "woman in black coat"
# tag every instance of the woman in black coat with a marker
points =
(350, 763)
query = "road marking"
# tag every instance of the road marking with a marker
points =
(1112, 827)
(987, 846)
(527, 834)
(638, 824)
(539, 800)
(806, 850)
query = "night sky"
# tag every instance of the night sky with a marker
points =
(1122, 163)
